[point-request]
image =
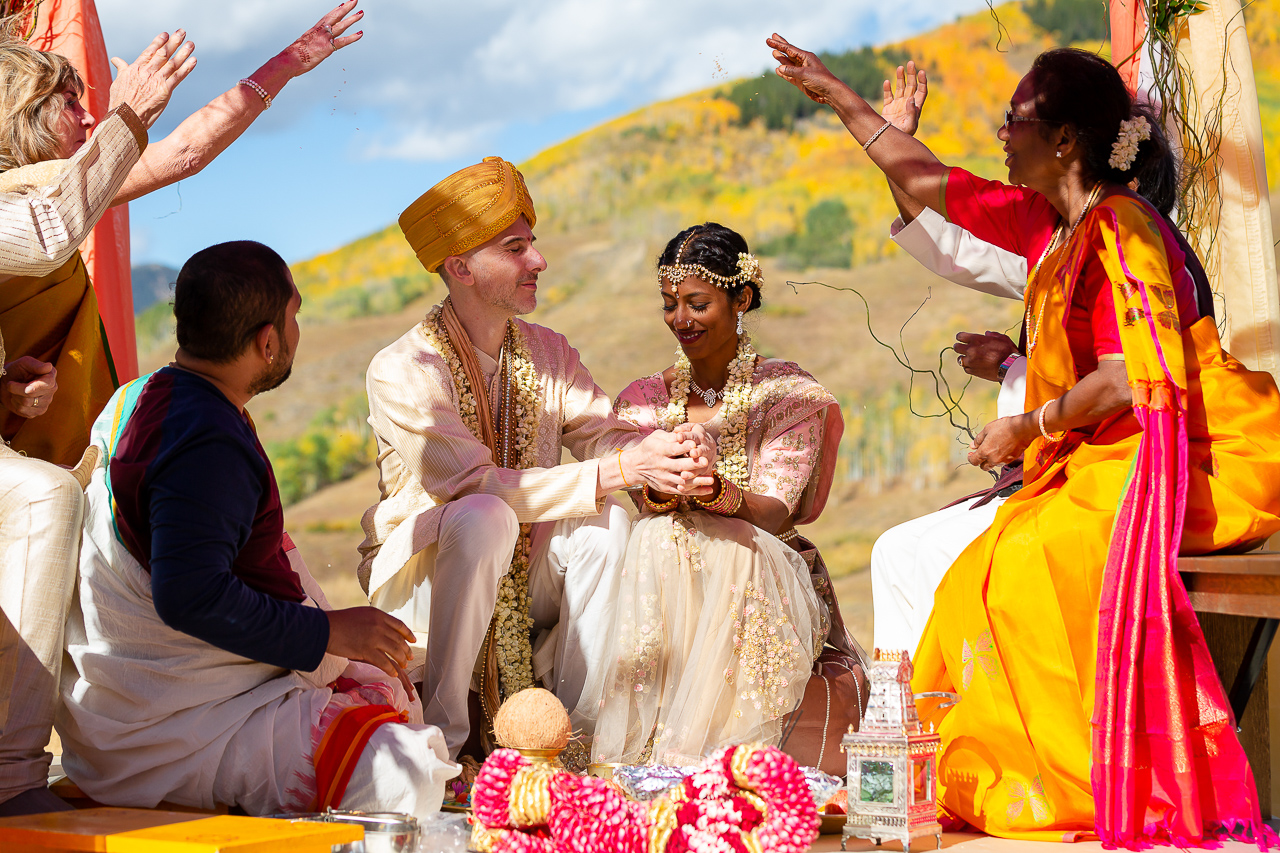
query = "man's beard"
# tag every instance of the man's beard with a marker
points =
(514, 302)
(271, 377)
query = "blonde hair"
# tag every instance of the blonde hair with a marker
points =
(31, 87)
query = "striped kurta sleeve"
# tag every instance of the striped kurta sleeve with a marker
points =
(415, 415)
(48, 209)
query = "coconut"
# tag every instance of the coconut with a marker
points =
(532, 719)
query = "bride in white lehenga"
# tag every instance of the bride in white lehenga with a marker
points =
(722, 607)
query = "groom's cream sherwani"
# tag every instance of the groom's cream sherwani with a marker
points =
(447, 511)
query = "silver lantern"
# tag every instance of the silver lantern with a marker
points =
(892, 762)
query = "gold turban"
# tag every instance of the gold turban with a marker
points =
(470, 207)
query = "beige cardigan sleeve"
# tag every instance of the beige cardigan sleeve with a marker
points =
(413, 410)
(48, 209)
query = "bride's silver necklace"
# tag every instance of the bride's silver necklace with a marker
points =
(708, 396)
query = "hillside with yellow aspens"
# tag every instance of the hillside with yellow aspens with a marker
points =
(808, 201)
(691, 159)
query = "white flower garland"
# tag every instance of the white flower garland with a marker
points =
(511, 613)
(1125, 149)
(732, 464)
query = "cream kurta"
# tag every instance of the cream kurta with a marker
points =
(427, 456)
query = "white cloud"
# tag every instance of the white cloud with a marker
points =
(443, 80)
(430, 144)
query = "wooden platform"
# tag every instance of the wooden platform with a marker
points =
(1238, 585)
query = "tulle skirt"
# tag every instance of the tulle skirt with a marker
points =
(717, 629)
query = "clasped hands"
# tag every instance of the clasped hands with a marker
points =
(680, 463)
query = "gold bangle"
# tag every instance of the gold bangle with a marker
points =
(725, 503)
(621, 473)
(654, 506)
(262, 93)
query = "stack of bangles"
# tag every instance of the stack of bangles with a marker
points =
(726, 502)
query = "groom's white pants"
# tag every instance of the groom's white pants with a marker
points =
(573, 574)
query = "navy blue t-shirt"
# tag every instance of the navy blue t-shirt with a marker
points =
(196, 504)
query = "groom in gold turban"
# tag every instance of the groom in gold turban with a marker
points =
(480, 533)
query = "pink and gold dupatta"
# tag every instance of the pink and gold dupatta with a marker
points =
(1167, 766)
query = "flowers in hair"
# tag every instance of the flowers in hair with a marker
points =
(1124, 150)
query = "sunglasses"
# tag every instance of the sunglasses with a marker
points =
(1011, 118)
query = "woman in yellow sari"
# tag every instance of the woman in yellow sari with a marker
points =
(1089, 702)
(54, 318)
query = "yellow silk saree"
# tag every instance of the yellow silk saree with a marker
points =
(1089, 702)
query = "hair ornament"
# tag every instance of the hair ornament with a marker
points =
(1124, 150)
(748, 270)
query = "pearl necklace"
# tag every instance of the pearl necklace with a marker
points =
(1033, 328)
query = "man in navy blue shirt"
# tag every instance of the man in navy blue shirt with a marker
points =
(199, 627)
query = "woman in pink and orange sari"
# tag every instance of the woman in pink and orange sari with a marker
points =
(1089, 701)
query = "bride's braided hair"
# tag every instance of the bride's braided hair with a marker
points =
(715, 247)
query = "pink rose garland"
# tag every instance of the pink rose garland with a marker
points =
(741, 798)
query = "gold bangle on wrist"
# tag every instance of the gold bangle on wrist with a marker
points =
(654, 506)
(725, 503)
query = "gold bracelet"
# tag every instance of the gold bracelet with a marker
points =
(789, 536)
(725, 503)
(621, 473)
(654, 506)
(262, 93)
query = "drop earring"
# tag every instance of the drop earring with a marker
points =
(740, 313)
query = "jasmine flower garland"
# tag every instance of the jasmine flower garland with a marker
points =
(512, 620)
(732, 463)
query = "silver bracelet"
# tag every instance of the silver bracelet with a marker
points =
(253, 84)
(876, 135)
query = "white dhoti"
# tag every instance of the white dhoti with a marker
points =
(151, 714)
(909, 561)
(447, 591)
(41, 506)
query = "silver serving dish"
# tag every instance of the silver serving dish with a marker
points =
(384, 832)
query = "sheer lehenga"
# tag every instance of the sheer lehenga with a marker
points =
(718, 622)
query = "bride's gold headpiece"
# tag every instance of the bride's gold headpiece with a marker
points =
(748, 270)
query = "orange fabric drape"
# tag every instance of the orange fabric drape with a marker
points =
(1128, 30)
(71, 29)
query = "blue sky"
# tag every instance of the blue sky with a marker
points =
(434, 86)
